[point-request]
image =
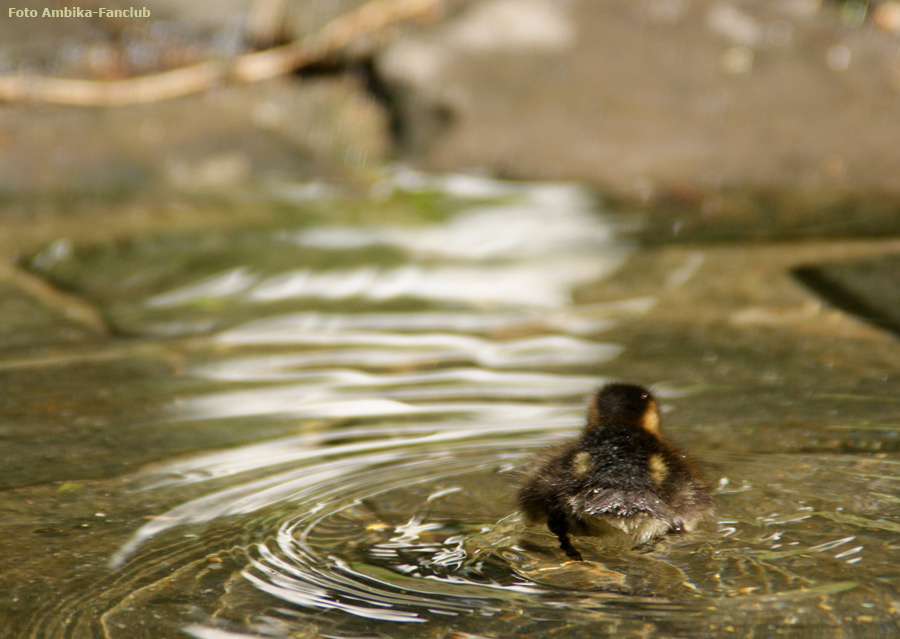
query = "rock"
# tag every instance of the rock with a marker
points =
(868, 288)
(708, 103)
(278, 129)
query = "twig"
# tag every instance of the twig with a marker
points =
(251, 67)
(70, 306)
(149, 88)
(369, 18)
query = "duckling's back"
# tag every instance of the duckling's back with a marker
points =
(619, 476)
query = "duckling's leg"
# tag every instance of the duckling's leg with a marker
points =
(559, 526)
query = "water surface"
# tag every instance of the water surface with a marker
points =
(336, 414)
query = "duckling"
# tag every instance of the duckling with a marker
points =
(619, 476)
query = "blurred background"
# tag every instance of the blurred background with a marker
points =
(290, 289)
(733, 117)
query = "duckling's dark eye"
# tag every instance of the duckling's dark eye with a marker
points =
(645, 395)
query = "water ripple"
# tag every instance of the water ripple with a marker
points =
(401, 529)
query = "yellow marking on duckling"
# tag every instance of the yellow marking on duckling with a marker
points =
(581, 464)
(650, 418)
(658, 469)
(593, 413)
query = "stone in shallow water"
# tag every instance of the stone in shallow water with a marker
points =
(587, 575)
(869, 288)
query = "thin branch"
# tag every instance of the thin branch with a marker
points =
(71, 306)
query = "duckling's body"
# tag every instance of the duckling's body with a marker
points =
(619, 476)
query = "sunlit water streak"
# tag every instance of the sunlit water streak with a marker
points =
(389, 513)
(539, 243)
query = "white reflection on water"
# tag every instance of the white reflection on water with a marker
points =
(509, 420)
(549, 194)
(495, 232)
(310, 465)
(528, 250)
(544, 285)
(349, 393)
(514, 264)
(207, 632)
(223, 285)
(584, 319)
(543, 350)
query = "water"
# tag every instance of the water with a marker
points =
(347, 407)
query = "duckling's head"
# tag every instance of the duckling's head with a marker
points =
(622, 404)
